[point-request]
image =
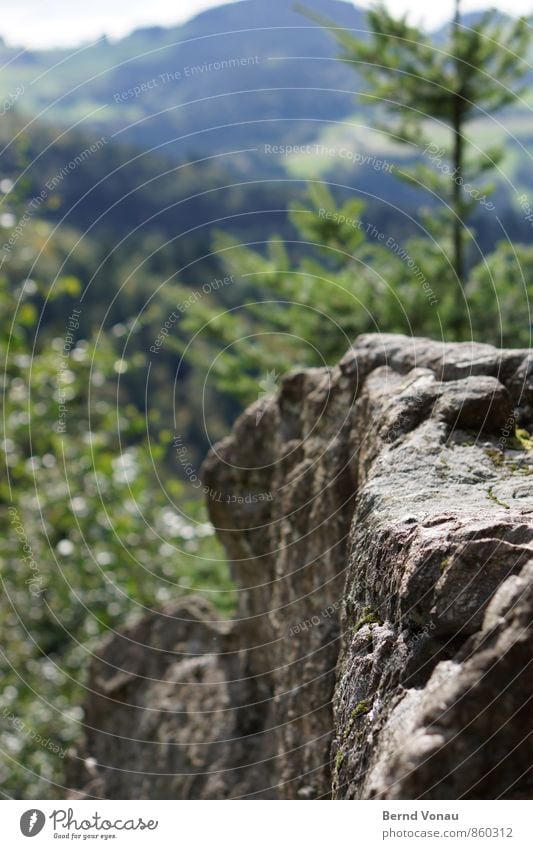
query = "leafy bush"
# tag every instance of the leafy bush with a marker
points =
(90, 537)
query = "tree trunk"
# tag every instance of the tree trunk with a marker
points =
(457, 129)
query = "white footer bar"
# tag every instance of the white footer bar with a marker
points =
(267, 825)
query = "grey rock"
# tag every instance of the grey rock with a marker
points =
(382, 643)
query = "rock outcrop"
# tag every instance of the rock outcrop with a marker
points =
(379, 521)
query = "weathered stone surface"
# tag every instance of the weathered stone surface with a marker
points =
(382, 643)
(162, 716)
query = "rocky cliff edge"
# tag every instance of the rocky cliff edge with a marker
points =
(378, 517)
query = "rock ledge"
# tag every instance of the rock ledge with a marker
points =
(382, 645)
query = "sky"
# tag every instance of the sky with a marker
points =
(34, 23)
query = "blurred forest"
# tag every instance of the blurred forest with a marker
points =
(159, 270)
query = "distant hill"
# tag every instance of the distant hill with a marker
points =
(228, 86)
(208, 85)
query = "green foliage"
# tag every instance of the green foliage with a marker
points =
(305, 299)
(368, 617)
(308, 307)
(351, 279)
(418, 86)
(500, 292)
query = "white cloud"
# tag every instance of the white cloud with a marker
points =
(432, 15)
(68, 23)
